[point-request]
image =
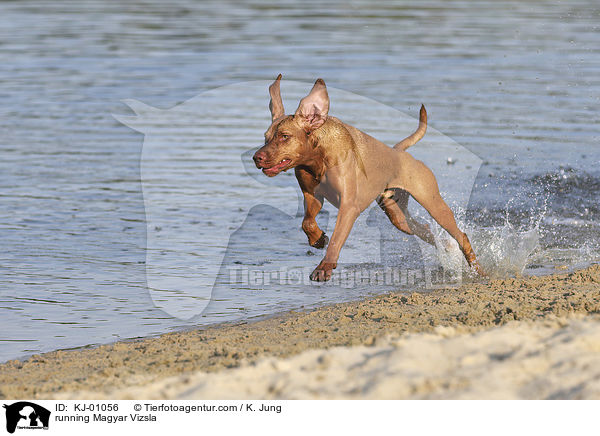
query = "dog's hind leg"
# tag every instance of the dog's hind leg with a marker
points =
(425, 190)
(394, 203)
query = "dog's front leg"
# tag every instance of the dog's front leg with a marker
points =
(312, 205)
(347, 214)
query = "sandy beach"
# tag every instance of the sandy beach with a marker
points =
(536, 337)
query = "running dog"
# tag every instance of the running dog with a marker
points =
(351, 169)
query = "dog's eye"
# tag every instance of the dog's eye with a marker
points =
(285, 137)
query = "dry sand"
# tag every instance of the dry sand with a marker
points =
(535, 337)
(552, 359)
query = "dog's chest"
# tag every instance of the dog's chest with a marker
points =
(329, 189)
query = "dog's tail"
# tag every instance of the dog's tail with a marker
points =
(415, 137)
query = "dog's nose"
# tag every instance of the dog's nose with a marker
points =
(259, 157)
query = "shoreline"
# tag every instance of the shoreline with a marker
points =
(472, 308)
(260, 317)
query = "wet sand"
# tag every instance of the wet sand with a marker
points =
(449, 343)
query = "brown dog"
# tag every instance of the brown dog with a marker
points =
(350, 169)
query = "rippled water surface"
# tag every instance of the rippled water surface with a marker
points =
(513, 95)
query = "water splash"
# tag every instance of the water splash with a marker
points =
(505, 251)
(448, 253)
(502, 250)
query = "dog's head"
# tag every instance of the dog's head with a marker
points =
(288, 141)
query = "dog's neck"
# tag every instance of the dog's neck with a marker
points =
(334, 144)
(315, 164)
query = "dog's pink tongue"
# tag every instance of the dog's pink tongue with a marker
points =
(276, 168)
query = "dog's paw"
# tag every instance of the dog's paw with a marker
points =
(323, 272)
(480, 271)
(321, 242)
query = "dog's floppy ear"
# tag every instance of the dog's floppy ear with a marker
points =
(276, 104)
(314, 107)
